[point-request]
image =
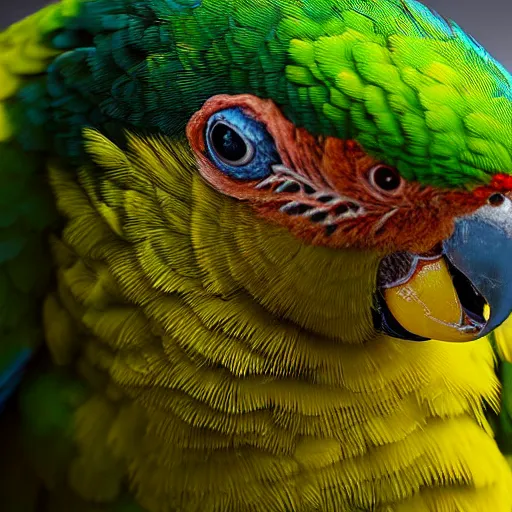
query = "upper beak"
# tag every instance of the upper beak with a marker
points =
(464, 292)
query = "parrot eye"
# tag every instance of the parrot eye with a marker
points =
(496, 199)
(231, 147)
(240, 146)
(385, 178)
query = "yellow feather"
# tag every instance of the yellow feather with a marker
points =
(96, 474)
(503, 337)
(61, 333)
(6, 128)
(234, 359)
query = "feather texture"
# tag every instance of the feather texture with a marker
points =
(411, 87)
(26, 207)
(202, 358)
(231, 408)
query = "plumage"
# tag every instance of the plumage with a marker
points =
(205, 339)
(11, 373)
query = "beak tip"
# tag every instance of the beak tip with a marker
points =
(481, 248)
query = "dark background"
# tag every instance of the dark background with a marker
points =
(489, 21)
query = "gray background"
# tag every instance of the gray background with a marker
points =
(488, 21)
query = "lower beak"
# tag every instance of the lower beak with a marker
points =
(464, 292)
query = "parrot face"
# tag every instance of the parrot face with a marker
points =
(376, 127)
(255, 197)
(444, 273)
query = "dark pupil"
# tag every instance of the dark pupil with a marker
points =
(228, 144)
(496, 199)
(386, 178)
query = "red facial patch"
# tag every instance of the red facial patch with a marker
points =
(500, 183)
(330, 192)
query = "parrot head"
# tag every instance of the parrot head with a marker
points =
(445, 271)
(407, 157)
(373, 133)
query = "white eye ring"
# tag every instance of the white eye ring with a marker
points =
(243, 160)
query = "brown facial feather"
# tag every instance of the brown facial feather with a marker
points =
(323, 192)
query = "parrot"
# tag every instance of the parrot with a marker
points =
(254, 257)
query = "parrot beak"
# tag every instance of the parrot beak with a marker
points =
(460, 292)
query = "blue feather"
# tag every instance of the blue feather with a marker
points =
(11, 376)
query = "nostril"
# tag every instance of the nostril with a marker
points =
(496, 199)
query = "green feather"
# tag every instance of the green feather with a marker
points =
(412, 88)
(408, 85)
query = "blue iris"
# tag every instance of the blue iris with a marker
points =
(240, 146)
